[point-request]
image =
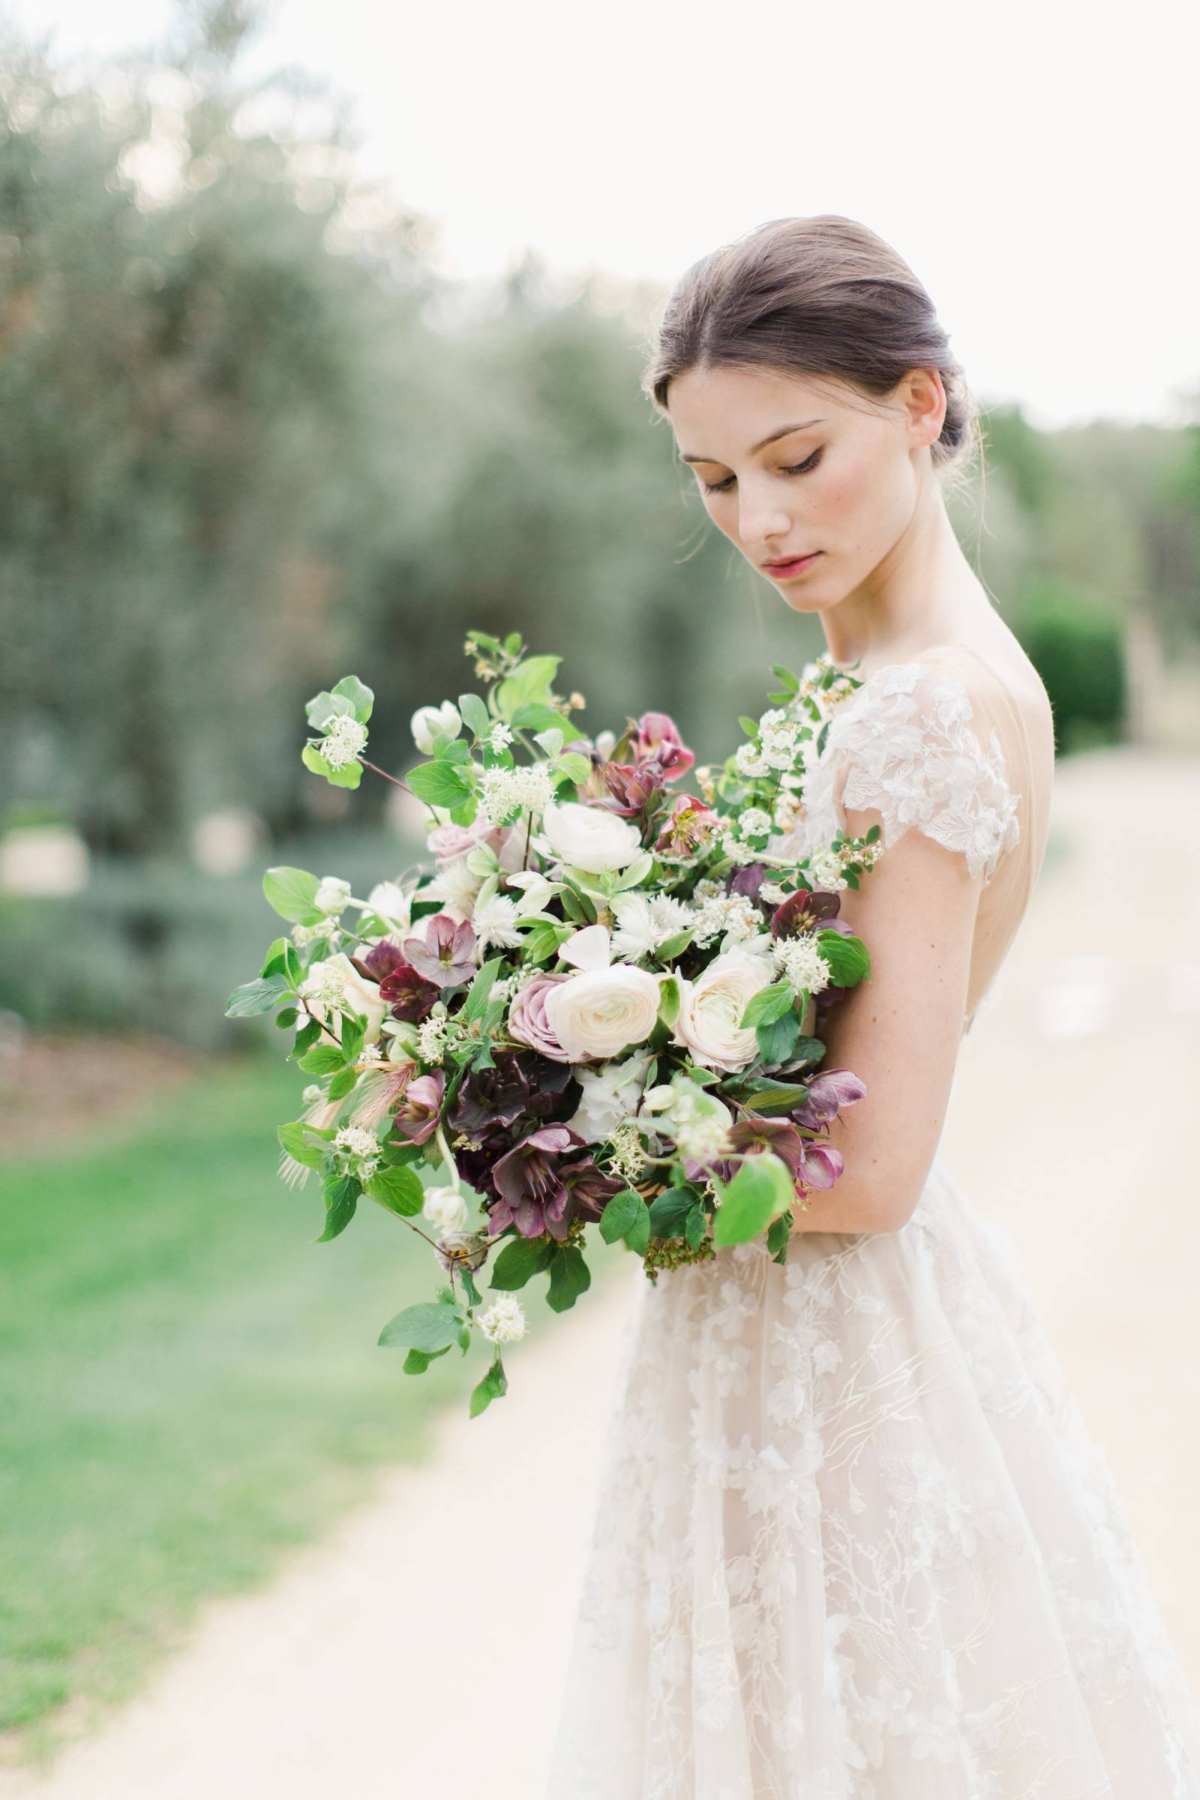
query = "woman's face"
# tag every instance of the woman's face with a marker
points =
(795, 468)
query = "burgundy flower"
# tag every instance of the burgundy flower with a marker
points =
(753, 1134)
(631, 786)
(444, 955)
(804, 911)
(416, 1117)
(687, 827)
(404, 988)
(828, 1092)
(529, 1182)
(589, 1190)
(658, 736)
(527, 1016)
(746, 879)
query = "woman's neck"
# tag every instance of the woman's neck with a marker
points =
(922, 594)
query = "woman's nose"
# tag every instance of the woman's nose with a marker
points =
(761, 518)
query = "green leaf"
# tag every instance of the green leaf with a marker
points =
(292, 892)
(669, 1210)
(695, 1225)
(519, 1260)
(474, 714)
(620, 1213)
(638, 1235)
(322, 1059)
(256, 996)
(397, 1189)
(569, 1277)
(468, 1280)
(779, 1236)
(417, 1361)
(274, 962)
(534, 715)
(353, 1032)
(529, 682)
(324, 708)
(476, 1000)
(341, 1199)
(439, 783)
(343, 1083)
(848, 958)
(769, 1004)
(359, 695)
(748, 725)
(780, 1097)
(494, 1384)
(573, 764)
(430, 1326)
(306, 1037)
(672, 947)
(786, 678)
(287, 1018)
(668, 999)
(293, 1140)
(761, 1189)
(776, 1040)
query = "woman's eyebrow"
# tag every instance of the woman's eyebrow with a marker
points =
(755, 448)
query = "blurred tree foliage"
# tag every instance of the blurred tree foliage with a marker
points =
(255, 441)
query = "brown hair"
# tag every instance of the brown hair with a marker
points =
(821, 297)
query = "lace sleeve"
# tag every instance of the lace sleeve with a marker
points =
(903, 743)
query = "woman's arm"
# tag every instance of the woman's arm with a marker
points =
(899, 1031)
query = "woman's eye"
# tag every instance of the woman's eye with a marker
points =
(809, 463)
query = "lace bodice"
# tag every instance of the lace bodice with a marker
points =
(939, 743)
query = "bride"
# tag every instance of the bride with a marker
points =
(853, 1539)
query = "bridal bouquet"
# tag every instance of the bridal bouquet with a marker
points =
(599, 1001)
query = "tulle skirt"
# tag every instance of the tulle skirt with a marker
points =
(853, 1541)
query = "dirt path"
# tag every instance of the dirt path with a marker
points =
(416, 1651)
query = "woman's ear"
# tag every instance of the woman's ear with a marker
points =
(924, 400)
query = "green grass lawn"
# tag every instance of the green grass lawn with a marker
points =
(190, 1385)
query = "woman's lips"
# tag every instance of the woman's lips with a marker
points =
(784, 571)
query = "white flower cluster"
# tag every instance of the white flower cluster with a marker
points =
(801, 961)
(731, 916)
(644, 921)
(499, 737)
(304, 935)
(344, 741)
(504, 1321)
(332, 895)
(629, 1158)
(356, 1152)
(700, 1127)
(825, 868)
(325, 983)
(503, 791)
(432, 1035)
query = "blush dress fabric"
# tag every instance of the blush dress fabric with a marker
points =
(854, 1540)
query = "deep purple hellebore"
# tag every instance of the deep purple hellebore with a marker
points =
(528, 1180)
(402, 987)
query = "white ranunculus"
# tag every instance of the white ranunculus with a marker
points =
(588, 838)
(429, 719)
(711, 1006)
(445, 1209)
(604, 1011)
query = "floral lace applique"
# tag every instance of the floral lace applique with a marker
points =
(906, 746)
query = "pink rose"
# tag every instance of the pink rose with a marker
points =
(527, 1017)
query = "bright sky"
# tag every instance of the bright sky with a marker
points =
(1036, 164)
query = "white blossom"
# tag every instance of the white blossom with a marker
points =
(332, 894)
(644, 921)
(503, 792)
(494, 922)
(802, 962)
(428, 720)
(344, 740)
(356, 1152)
(504, 1321)
(445, 1208)
(325, 932)
(499, 737)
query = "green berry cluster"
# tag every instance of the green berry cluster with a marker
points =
(669, 1253)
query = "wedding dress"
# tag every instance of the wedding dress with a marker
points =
(853, 1539)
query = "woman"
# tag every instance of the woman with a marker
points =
(854, 1539)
